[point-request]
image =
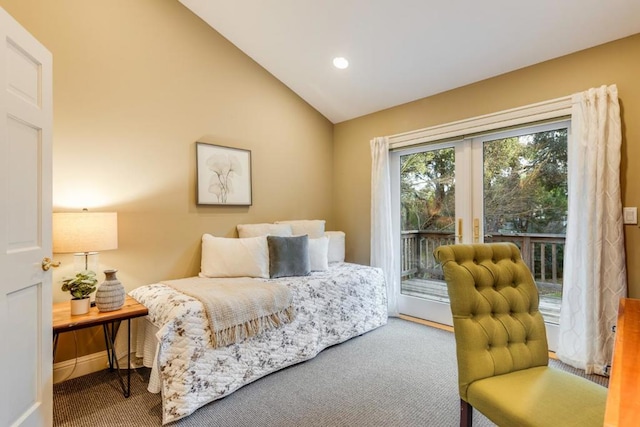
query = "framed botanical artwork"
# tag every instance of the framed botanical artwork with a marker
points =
(224, 175)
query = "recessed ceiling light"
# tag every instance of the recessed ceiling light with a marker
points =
(340, 62)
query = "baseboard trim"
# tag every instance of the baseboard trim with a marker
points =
(80, 366)
(552, 354)
(426, 322)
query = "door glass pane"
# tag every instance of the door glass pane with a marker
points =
(427, 203)
(525, 202)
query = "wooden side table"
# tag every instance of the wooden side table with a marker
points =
(63, 321)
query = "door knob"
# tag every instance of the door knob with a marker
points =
(47, 263)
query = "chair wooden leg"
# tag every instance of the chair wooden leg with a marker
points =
(466, 414)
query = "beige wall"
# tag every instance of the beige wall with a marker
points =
(617, 62)
(136, 84)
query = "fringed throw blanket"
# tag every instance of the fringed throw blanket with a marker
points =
(238, 308)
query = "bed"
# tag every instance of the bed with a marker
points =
(332, 305)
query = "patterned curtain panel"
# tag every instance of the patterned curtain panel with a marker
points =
(595, 270)
(382, 254)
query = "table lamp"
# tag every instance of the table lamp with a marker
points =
(85, 233)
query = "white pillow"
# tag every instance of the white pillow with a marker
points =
(228, 257)
(318, 254)
(336, 245)
(255, 230)
(314, 228)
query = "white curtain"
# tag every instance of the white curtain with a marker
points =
(382, 254)
(594, 269)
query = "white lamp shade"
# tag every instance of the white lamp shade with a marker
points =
(85, 232)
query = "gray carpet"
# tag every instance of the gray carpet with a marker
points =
(402, 374)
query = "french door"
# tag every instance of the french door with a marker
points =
(503, 186)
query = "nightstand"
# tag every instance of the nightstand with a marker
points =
(63, 321)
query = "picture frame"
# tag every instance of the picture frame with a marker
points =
(223, 175)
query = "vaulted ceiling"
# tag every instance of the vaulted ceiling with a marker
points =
(403, 50)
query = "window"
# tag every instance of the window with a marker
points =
(499, 185)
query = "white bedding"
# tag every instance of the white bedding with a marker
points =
(331, 307)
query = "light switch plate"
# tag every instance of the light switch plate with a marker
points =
(630, 215)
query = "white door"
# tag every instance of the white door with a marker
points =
(25, 227)
(495, 187)
(434, 169)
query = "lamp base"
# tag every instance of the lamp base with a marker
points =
(85, 261)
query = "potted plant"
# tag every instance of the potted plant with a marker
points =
(80, 287)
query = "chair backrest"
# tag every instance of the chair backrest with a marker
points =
(494, 302)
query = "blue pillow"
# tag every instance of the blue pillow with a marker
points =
(288, 256)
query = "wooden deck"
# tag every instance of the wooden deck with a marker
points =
(437, 291)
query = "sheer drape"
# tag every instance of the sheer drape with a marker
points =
(382, 254)
(594, 270)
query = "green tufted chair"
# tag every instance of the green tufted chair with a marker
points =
(501, 344)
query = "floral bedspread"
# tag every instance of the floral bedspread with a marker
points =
(331, 307)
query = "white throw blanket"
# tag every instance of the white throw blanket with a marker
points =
(238, 308)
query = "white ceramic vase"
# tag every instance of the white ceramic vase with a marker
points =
(80, 306)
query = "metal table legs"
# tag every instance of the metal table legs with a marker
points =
(109, 337)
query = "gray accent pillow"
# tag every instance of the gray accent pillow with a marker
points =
(288, 256)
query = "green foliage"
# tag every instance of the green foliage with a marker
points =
(525, 186)
(428, 190)
(525, 183)
(81, 285)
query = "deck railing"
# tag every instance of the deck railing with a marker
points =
(543, 253)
